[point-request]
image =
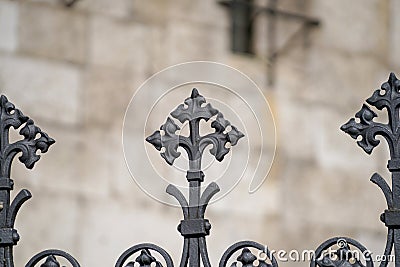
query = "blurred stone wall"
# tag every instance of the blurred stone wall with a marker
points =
(73, 70)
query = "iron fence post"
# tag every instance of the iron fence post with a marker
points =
(194, 228)
(34, 140)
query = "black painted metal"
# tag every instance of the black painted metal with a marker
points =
(34, 140)
(194, 227)
(364, 127)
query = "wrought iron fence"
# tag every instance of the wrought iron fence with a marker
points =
(194, 227)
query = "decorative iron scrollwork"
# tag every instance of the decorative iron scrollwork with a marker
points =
(145, 258)
(34, 140)
(193, 110)
(363, 129)
(50, 257)
(194, 227)
(246, 257)
(387, 97)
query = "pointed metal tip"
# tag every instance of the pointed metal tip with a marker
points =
(51, 261)
(195, 93)
(51, 141)
(392, 77)
(3, 98)
(145, 258)
(375, 177)
(155, 140)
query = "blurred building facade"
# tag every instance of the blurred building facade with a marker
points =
(73, 70)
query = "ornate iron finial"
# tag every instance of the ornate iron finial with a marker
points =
(363, 126)
(33, 140)
(387, 97)
(194, 227)
(193, 110)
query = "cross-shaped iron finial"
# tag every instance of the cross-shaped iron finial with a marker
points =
(193, 110)
(194, 227)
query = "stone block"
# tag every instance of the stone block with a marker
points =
(207, 12)
(125, 46)
(122, 185)
(295, 128)
(187, 41)
(107, 94)
(317, 196)
(52, 32)
(33, 83)
(95, 168)
(151, 12)
(9, 14)
(119, 9)
(393, 52)
(264, 203)
(253, 67)
(340, 30)
(340, 80)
